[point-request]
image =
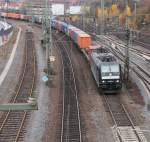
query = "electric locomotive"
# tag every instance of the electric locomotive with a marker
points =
(106, 70)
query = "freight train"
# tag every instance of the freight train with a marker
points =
(104, 66)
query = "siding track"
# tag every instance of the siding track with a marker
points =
(123, 122)
(70, 129)
(12, 123)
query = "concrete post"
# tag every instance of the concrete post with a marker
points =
(148, 105)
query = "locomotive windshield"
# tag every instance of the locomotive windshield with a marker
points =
(110, 71)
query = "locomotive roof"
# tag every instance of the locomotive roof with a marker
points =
(100, 50)
(104, 58)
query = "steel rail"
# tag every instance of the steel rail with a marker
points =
(19, 89)
(69, 110)
(132, 49)
(76, 94)
(141, 69)
(30, 93)
(144, 44)
(17, 92)
(143, 78)
(146, 82)
(142, 52)
(116, 121)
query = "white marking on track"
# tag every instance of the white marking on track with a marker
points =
(127, 134)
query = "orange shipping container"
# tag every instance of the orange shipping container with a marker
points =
(13, 15)
(84, 41)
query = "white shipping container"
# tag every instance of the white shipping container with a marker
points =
(75, 10)
(58, 9)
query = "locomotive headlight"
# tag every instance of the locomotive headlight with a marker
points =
(117, 80)
(103, 81)
(110, 74)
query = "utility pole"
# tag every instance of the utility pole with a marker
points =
(7, 1)
(135, 8)
(127, 56)
(65, 10)
(126, 65)
(83, 14)
(32, 13)
(102, 18)
(47, 40)
(95, 24)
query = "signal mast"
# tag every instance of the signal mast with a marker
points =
(47, 37)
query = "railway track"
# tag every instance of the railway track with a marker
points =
(138, 51)
(124, 124)
(145, 78)
(122, 120)
(145, 55)
(117, 110)
(13, 123)
(141, 69)
(144, 42)
(138, 67)
(71, 127)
